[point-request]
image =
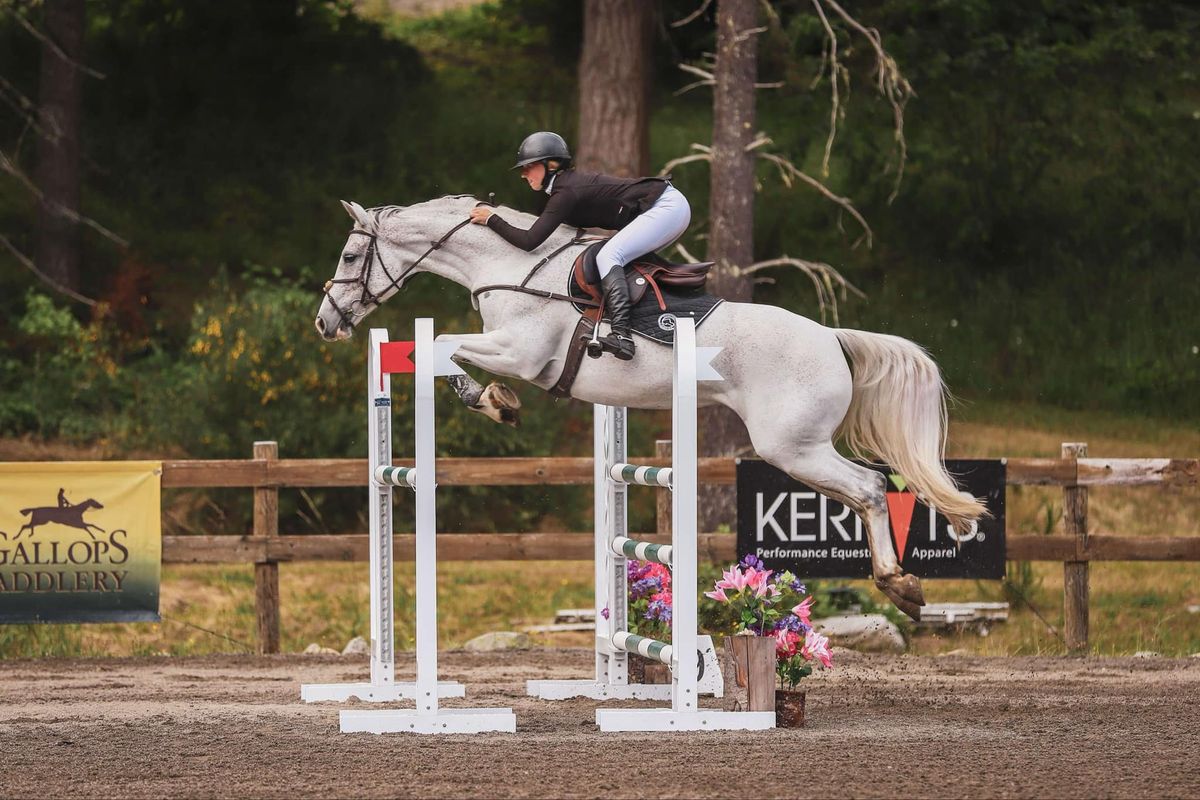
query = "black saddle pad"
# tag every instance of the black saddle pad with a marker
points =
(649, 320)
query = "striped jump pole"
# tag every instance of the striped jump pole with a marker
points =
(643, 476)
(426, 359)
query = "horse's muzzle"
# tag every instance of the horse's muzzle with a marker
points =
(340, 332)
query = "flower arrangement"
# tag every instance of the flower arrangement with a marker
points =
(759, 602)
(649, 599)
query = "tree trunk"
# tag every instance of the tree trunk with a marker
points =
(614, 87)
(731, 211)
(57, 172)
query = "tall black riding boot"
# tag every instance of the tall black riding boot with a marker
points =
(616, 303)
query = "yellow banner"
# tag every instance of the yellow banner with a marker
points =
(80, 541)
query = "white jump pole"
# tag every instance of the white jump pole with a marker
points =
(685, 713)
(430, 359)
(382, 686)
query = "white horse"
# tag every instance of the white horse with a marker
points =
(797, 385)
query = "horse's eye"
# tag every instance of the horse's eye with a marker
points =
(349, 257)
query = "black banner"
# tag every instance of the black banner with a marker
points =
(792, 526)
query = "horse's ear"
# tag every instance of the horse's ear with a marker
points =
(363, 218)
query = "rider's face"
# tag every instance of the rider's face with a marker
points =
(534, 174)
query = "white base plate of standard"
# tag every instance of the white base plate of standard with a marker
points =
(372, 692)
(445, 721)
(664, 719)
(597, 690)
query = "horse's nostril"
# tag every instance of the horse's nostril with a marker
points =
(320, 325)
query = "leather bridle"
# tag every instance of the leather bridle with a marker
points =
(369, 299)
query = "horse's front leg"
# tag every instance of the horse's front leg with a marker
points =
(495, 401)
(492, 352)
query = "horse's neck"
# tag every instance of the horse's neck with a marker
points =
(476, 257)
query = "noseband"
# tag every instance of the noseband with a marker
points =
(369, 299)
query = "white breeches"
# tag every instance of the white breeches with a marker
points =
(658, 226)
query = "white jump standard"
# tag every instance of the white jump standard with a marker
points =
(430, 359)
(688, 654)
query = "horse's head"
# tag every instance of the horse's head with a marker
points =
(386, 246)
(361, 281)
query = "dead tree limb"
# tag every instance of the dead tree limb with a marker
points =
(26, 262)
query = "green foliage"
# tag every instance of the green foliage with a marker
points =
(253, 369)
(58, 377)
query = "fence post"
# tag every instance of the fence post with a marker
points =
(662, 500)
(266, 573)
(1075, 573)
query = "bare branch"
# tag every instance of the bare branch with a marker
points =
(7, 165)
(825, 279)
(25, 108)
(890, 83)
(834, 67)
(746, 34)
(788, 170)
(775, 85)
(688, 257)
(46, 40)
(25, 261)
(691, 86)
(702, 73)
(679, 23)
(704, 154)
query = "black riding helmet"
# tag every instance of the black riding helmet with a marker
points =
(542, 146)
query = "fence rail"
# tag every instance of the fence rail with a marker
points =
(266, 474)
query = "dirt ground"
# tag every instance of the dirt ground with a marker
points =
(879, 726)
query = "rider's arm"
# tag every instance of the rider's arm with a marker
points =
(554, 215)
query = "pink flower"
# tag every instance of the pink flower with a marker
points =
(661, 572)
(718, 593)
(817, 646)
(804, 611)
(786, 643)
(732, 579)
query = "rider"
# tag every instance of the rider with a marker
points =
(62, 498)
(647, 213)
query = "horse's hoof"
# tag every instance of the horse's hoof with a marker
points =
(905, 591)
(501, 404)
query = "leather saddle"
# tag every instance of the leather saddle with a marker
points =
(644, 273)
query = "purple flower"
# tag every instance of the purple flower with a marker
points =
(798, 587)
(659, 609)
(794, 624)
(636, 570)
(751, 561)
(604, 612)
(645, 587)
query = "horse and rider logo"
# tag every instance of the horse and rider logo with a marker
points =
(65, 513)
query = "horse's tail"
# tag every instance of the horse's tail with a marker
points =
(898, 413)
(28, 510)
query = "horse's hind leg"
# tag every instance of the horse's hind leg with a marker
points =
(864, 492)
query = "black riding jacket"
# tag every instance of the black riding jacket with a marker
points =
(585, 200)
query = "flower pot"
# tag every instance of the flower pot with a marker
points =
(647, 670)
(789, 708)
(753, 659)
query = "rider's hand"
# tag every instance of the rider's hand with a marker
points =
(480, 214)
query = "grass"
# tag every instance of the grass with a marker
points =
(1134, 606)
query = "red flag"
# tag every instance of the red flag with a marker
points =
(396, 357)
(900, 511)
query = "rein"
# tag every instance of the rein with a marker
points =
(368, 298)
(579, 238)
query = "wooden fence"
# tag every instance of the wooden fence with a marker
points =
(266, 473)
